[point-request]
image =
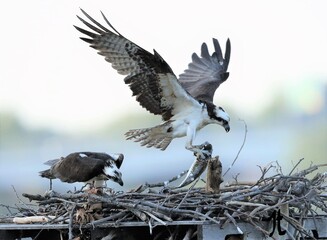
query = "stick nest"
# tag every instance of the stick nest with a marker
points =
(300, 196)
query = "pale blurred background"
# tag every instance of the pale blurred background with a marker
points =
(58, 96)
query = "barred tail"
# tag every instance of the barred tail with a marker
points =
(158, 136)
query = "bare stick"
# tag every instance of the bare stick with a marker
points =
(70, 228)
(233, 221)
(8, 208)
(239, 151)
(249, 203)
(22, 202)
(164, 184)
(296, 166)
(195, 182)
(145, 186)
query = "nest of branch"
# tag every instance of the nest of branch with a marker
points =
(295, 196)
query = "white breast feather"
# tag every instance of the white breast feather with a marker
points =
(190, 116)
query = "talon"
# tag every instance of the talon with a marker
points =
(207, 146)
(201, 152)
(200, 155)
(206, 154)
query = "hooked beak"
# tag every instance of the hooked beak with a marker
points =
(227, 128)
(120, 181)
(116, 179)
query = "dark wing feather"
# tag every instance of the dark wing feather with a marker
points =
(206, 73)
(98, 155)
(75, 168)
(118, 159)
(146, 72)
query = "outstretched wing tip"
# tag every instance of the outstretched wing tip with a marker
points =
(205, 51)
(145, 71)
(85, 13)
(228, 44)
(206, 73)
(227, 53)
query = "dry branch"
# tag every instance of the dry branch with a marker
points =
(251, 202)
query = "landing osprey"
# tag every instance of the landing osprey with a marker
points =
(86, 167)
(185, 104)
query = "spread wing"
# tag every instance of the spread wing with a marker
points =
(206, 73)
(148, 75)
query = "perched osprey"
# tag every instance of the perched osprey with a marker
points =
(86, 167)
(185, 104)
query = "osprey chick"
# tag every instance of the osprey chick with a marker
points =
(185, 104)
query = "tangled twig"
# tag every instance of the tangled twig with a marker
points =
(251, 202)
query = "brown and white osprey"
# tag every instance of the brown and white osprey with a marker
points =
(185, 104)
(91, 167)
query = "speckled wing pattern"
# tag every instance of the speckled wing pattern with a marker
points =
(148, 75)
(206, 73)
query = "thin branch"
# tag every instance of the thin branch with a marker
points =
(239, 151)
(295, 166)
(70, 225)
(181, 202)
(248, 203)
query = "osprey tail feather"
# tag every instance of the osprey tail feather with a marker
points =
(159, 136)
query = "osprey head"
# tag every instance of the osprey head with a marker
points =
(222, 118)
(113, 173)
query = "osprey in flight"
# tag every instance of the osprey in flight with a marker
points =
(86, 167)
(185, 103)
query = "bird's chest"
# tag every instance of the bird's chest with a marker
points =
(195, 118)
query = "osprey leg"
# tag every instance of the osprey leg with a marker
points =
(196, 149)
(200, 151)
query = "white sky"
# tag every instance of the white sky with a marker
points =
(49, 77)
